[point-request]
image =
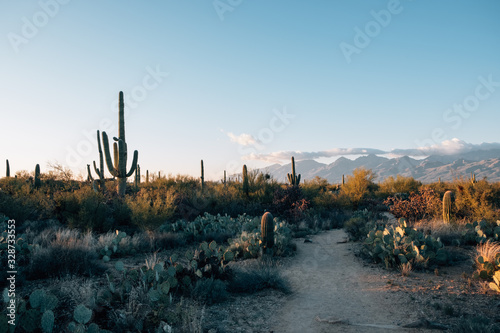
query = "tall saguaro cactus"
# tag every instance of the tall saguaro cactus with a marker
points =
(118, 168)
(293, 179)
(447, 206)
(137, 176)
(246, 185)
(202, 178)
(7, 170)
(37, 176)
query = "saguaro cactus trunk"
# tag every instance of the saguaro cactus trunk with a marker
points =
(7, 170)
(202, 178)
(447, 206)
(293, 179)
(118, 168)
(246, 185)
(267, 230)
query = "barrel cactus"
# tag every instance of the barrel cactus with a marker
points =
(267, 230)
(447, 206)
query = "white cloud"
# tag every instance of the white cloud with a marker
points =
(242, 139)
(276, 157)
(447, 147)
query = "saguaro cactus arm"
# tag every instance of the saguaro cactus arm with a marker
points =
(111, 167)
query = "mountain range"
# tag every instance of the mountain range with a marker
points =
(483, 163)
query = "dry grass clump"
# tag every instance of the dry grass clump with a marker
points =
(449, 233)
(488, 251)
(69, 253)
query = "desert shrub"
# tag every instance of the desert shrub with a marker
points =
(357, 188)
(21, 202)
(454, 234)
(71, 253)
(151, 207)
(289, 203)
(475, 324)
(400, 184)
(259, 275)
(422, 205)
(475, 201)
(210, 291)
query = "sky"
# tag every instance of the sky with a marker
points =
(238, 82)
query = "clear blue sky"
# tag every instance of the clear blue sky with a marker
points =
(234, 68)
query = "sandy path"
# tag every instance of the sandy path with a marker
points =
(329, 282)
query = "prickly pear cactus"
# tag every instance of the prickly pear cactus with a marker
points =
(82, 314)
(48, 321)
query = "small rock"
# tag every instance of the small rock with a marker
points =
(307, 240)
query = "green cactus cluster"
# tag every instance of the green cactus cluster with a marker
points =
(117, 166)
(482, 231)
(293, 178)
(487, 269)
(399, 245)
(116, 247)
(37, 312)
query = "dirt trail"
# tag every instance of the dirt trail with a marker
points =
(330, 283)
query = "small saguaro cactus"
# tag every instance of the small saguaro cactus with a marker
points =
(343, 180)
(246, 186)
(38, 183)
(473, 178)
(100, 171)
(7, 170)
(119, 168)
(147, 176)
(267, 230)
(202, 178)
(293, 179)
(447, 206)
(137, 176)
(224, 178)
